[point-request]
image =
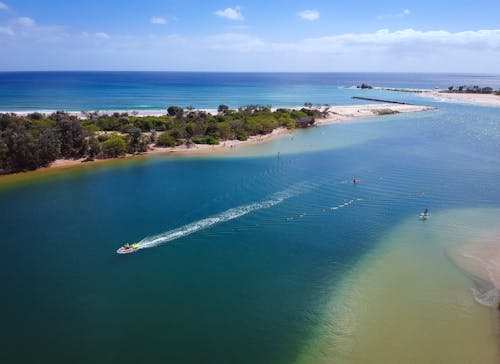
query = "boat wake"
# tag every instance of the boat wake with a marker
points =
(345, 204)
(155, 240)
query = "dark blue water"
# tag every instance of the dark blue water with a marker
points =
(248, 290)
(25, 91)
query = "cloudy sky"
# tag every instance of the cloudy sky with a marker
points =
(277, 35)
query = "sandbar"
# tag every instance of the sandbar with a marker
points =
(481, 260)
(466, 98)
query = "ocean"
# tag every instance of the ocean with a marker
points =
(268, 254)
(77, 91)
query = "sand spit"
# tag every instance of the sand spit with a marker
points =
(481, 260)
(467, 98)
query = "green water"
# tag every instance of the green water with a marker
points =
(278, 259)
(406, 302)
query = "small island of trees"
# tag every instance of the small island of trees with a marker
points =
(472, 90)
(35, 140)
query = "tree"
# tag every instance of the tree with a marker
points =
(223, 109)
(143, 144)
(72, 137)
(134, 135)
(21, 149)
(4, 150)
(114, 147)
(189, 131)
(175, 111)
(49, 146)
(94, 147)
(35, 116)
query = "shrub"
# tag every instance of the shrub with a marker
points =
(241, 135)
(114, 147)
(386, 112)
(166, 140)
(205, 140)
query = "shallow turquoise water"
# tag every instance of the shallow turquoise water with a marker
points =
(252, 289)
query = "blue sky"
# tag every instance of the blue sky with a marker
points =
(187, 35)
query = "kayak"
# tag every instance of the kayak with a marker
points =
(126, 249)
(424, 216)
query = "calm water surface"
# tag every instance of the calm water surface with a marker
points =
(28, 91)
(275, 282)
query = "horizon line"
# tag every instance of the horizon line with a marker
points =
(284, 72)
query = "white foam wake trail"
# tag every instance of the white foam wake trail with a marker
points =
(152, 241)
(345, 204)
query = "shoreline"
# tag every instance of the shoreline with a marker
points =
(336, 114)
(480, 258)
(464, 98)
(443, 95)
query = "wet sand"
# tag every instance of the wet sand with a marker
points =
(480, 259)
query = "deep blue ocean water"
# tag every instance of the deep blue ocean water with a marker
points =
(248, 290)
(24, 91)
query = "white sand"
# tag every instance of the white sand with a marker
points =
(342, 113)
(477, 99)
(482, 260)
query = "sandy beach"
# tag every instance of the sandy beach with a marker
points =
(480, 259)
(467, 98)
(344, 113)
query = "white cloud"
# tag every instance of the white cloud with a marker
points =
(25, 21)
(405, 12)
(230, 13)
(310, 15)
(406, 50)
(6, 31)
(101, 35)
(157, 20)
(3, 6)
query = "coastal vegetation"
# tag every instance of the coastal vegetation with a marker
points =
(386, 112)
(472, 90)
(35, 140)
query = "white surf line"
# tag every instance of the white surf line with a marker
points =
(152, 241)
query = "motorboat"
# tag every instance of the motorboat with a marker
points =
(128, 248)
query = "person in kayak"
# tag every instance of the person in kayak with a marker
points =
(426, 211)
